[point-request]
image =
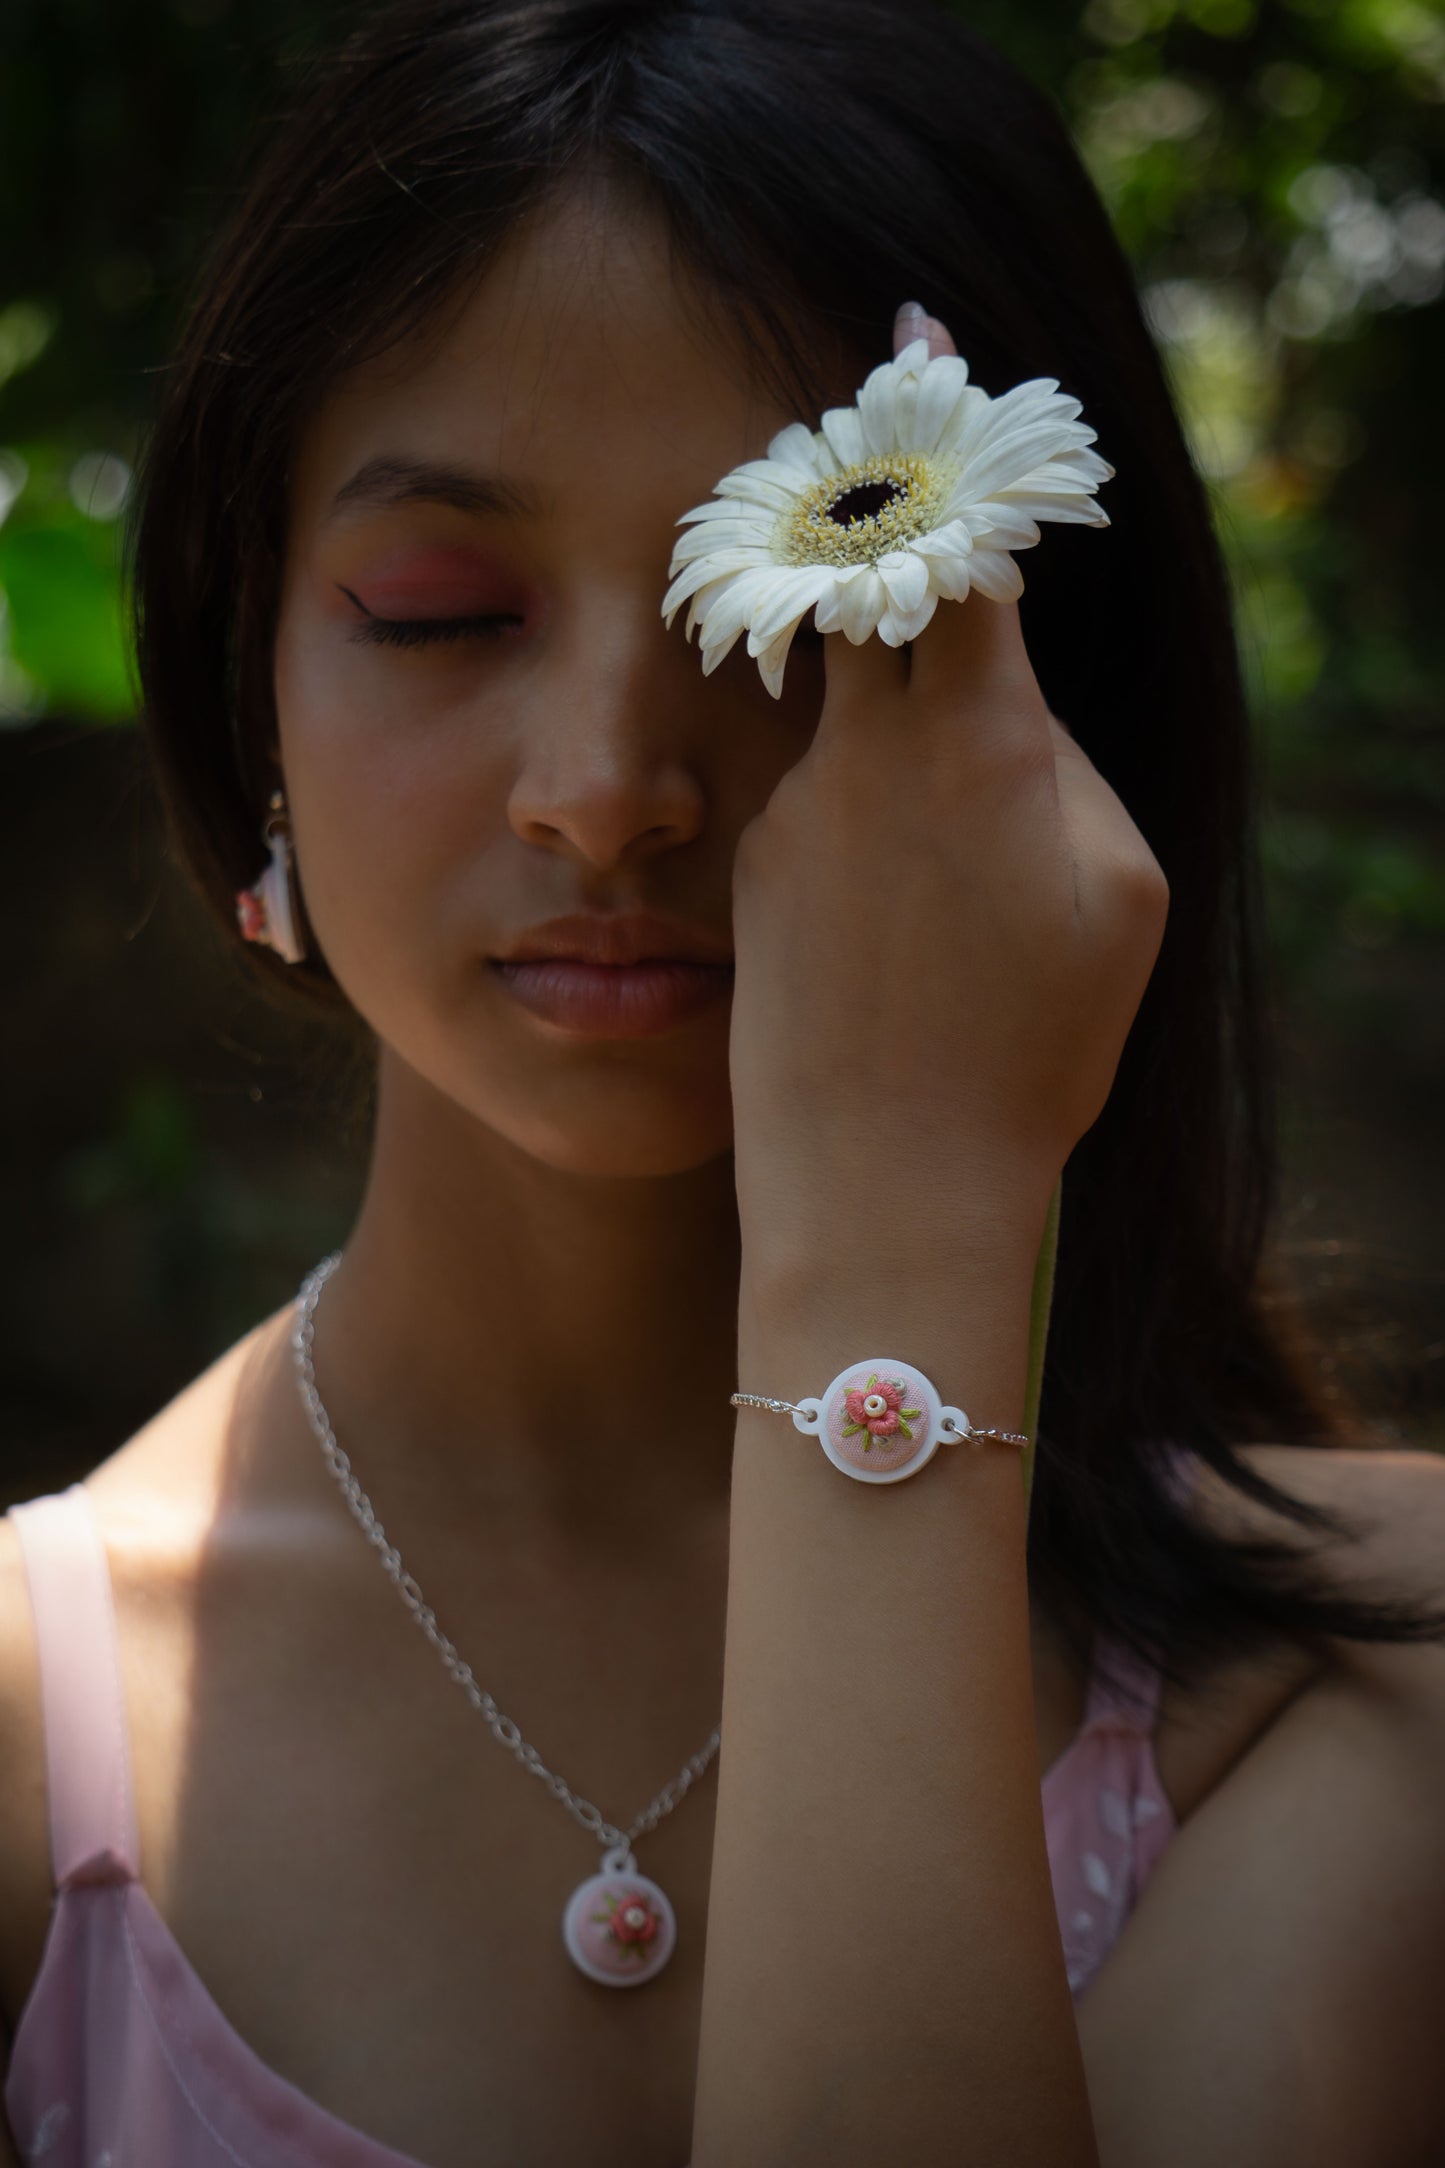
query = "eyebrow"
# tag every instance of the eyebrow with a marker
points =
(391, 479)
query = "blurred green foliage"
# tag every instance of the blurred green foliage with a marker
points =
(1272, 166)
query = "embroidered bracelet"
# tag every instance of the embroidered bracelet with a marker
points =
(879, 1421)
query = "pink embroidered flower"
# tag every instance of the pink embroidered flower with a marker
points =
(630, 1917)
(877, 1407)
(252, 914)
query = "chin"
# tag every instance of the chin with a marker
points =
(648, 1141)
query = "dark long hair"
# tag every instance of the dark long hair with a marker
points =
(818, 162)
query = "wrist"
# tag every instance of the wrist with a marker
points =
(862, 1276)
(964, 1323)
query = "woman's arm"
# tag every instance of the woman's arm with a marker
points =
(884, 1980)
(944, 922)
(1277, 1996)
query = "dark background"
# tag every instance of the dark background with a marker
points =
(174, 1153)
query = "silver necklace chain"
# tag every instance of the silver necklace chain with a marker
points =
(407, 1587)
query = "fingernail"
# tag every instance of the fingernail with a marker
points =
(912, 317)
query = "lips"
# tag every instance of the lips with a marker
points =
(615, 1001)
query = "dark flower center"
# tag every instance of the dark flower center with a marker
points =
(865, 501)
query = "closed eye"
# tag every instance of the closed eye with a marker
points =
(420, 631)
(417, 631)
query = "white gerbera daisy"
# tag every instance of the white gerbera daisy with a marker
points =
(922, 490)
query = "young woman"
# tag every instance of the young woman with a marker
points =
(720, 1043)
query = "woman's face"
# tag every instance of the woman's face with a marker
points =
(451, 793)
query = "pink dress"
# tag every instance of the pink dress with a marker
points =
(122, 2060)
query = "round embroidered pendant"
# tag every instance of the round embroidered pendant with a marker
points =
(879, 1420)
(618, 1926)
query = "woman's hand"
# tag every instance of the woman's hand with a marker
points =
(944, 923)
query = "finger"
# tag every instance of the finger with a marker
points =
(975, 650)
(860, 676)
(971, 676)
(1103, 837)
(1092, 808)
(913, 322)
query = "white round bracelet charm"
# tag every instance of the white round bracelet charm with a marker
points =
(618, 1926)
(880, 1420)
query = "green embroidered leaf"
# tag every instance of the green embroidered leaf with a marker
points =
(872, 1381)
(911, 1413)
(849, 1429)
(905, 1429)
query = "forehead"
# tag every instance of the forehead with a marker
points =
(586, 362)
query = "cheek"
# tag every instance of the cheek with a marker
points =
(764, 736)
(395, 793)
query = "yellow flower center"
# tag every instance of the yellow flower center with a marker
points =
(856, 516)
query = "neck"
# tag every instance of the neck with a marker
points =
(558, 1344)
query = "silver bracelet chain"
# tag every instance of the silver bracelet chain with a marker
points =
(788, 1407)
(407, 1587)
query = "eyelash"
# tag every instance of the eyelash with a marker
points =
(419, 631)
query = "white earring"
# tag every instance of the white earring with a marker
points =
(267, 912)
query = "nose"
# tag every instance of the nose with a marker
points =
(606, 768)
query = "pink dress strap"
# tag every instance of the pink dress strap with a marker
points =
(1107, 1817)
(87, 1755)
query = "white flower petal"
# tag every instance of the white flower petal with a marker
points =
(1010, 458)
(701, 573)
(766, 482)
(827, 617)
(877, 411)
(796, 447)
(721, 649)
(1075, 468)
(953, 539)
(905, 575)
(940, 392)
(844, 432)
(721, 534)
(1035, 503)
(727, 609)
(951, 577)
(1008, 527)
(995, 574)
(913, 359)
(905, 406)
(1062, 475)
(912, 622)
(976, 425)
(785, 602)
(702, 515)
(773, 658)
(861, 602)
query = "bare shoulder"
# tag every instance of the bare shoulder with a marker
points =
(1391, 1506)
(1395, 1496)
(155, 1488)
(1293, 1935)
(1392, 1548)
